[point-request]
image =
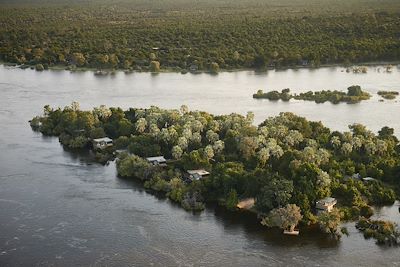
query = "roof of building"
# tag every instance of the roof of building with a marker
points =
(201, 172)
(368, 179)
(158, 158)
(104, 139)
(327, 200)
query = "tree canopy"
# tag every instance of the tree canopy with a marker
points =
(284, 160)
(192, 35)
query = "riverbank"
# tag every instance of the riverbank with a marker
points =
(185, 71)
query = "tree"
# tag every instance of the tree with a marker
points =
(102, 60)
(177, 190)
(259, 62)
(214, 67)
(285, 218)
(114, 60)
(152, 56)
(247, 147)
(276, 193)
(39, 67)
(183, 143)
(354, 90)
(184, 109)
(209, 152)
(329, 222)
(236, 55)
(102, 112)
(387, 133)
(154, 66)
(79, 59)
(263, 156)
(231, 200)
(140, 125)
(218, 146)
(134, 166)
(177, 152)
(211, 136)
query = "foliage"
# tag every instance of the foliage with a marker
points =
(388, 94)
(354, 95)
(329, 222)
(180, 34)
(232, 200)
(385, 232)
(154, 66)
(134, 166)
(286, 159)
(285, 218)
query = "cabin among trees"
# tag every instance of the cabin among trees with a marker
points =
(102, 143)
(196, 174)
(325, 205)
(157, 161)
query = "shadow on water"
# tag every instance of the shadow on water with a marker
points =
(84, 156)
(232, 221)
(250, 224)
(244, 221)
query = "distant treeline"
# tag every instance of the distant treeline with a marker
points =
(203, 37)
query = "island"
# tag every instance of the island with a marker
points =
(288, 170)
(388, 94)
(354, 95)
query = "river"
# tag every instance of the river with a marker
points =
(58, 208)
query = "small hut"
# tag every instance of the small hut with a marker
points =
(325, 205)
(157, 161)
(197, 174)
(102, 143)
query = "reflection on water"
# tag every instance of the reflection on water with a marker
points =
(58, 208)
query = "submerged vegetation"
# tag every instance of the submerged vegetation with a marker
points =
(286, 163)
(354, 95)
(198, 35)
(385, 232)
(388, 94)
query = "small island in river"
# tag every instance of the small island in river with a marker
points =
(388, 94)
(354, 95)
(287, 170)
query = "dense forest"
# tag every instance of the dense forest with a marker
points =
(286, 163)
(189, 35)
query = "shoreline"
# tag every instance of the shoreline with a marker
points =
(106, 72)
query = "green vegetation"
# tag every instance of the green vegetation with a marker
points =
(354, 95)
(329, 222)
(388, 94)
(285, 218)
(198, 35)
(385, 232)
(285, 160)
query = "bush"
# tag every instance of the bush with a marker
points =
(135, 167)
(39, 67)
(154, 66)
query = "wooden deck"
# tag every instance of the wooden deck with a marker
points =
(295, 232)
(246, 204)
